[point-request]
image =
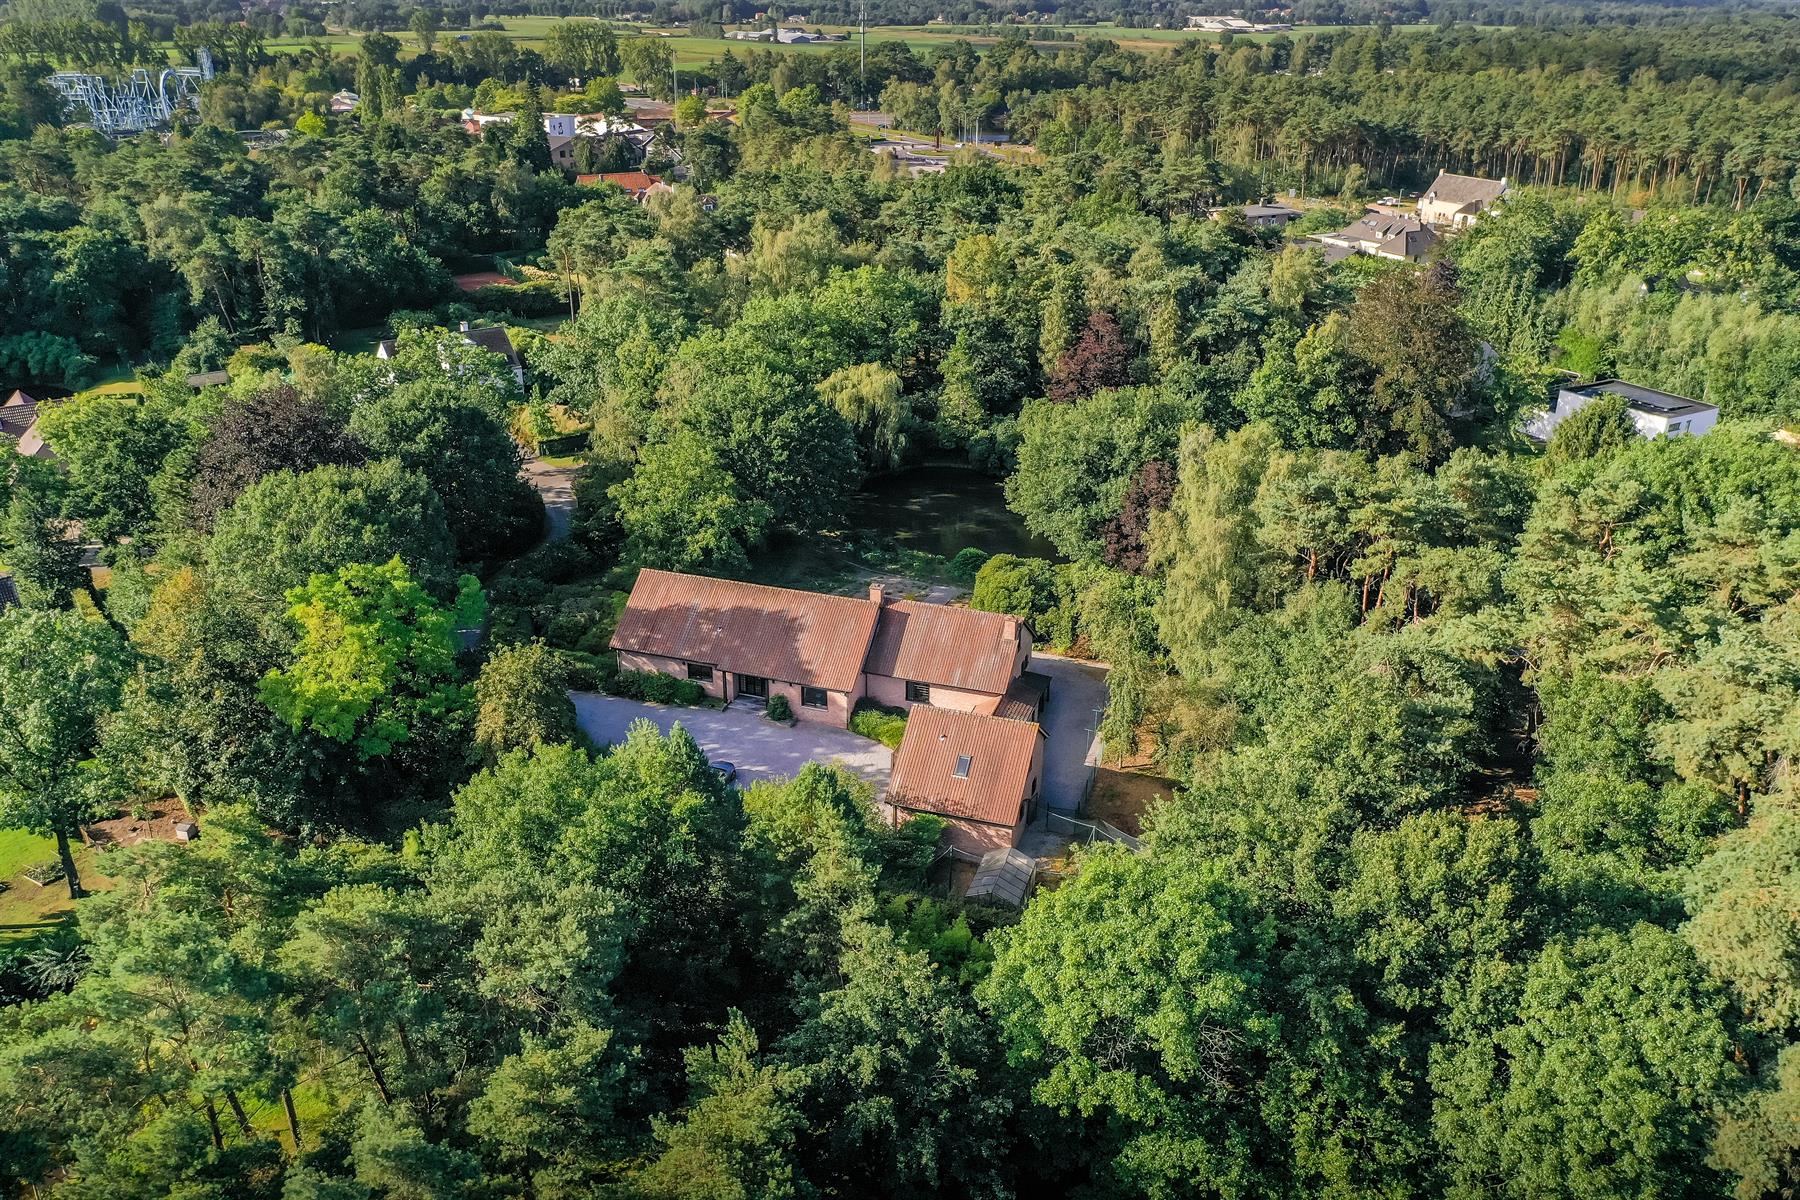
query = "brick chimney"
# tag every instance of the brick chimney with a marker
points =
(876, 594)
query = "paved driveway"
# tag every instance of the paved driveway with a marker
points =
(1071, 724)
(556, 486)
(761, 749)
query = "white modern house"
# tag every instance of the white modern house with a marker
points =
(1655, 413)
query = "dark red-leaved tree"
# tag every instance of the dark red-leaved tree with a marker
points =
(1125, 538)
(1100, 358)
(274, 430)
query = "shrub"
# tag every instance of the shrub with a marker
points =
(966, 563)
(1024, 587)
(885, 725)
(591, 672)
(778, 709)
(656, 688)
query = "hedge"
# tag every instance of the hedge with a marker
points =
(885, 725)
(539, 298)
(656, 688)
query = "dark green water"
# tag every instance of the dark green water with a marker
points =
(940, 510)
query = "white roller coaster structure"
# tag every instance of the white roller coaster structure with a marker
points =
(126, 106)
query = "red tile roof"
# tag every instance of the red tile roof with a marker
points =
(951, 647)
(999, 753)
(778, 633)
(632, 181)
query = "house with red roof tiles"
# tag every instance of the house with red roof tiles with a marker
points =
(824, 653)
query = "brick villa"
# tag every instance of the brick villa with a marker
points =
(973, 751)
(824, 653)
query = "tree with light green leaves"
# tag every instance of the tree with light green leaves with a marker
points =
(1205, 544)
(467, 456)
(110, 447)
(42, 549)
(376, 656)
(735, 1139)
(288, 527)
(901, 1077)
(682, 509)
(868, 397)
(1130, 994)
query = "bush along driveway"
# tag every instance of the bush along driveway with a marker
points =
(760, 748)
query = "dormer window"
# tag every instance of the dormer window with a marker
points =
(963, 763)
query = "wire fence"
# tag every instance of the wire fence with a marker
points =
(1091, 831)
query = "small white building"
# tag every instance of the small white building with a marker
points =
(1655, 413)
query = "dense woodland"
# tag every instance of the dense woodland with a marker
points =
(1480, 879)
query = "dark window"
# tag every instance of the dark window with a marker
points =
(918, 693)
(811, 697)
(700, 671)
(753, 685)
(963, 763)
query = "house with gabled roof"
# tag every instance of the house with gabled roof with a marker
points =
(639, 185)
(823, 653)
(1457, 201)
(494, 340)
(1399, 236)
(19, 421)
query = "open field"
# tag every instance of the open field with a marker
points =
(690, 51)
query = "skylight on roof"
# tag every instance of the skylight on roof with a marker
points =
(963, 763)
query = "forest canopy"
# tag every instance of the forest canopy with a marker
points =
(1474, 871)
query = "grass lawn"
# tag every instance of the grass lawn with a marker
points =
(119, 379)
(312, 1105)
(358, 341)
(26, 909)
(19, 850)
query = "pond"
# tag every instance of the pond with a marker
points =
(940, 510)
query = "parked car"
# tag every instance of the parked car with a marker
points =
(727, 771)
